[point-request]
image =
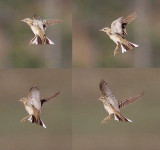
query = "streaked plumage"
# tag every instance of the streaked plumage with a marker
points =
(39, 26)
(33, 105)
(117, 32)
(111, 105)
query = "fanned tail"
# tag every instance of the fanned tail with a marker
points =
(128, 46)
(38, 121)
(121, 118)
(37, 40)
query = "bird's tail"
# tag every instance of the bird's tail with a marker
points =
(37, 40)
(121, 118)
(128, 46)
(33, 119)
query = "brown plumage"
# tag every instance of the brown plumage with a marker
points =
(39, 26)
(33, 105)
(117, 32)
(111, 105)
(130, 100)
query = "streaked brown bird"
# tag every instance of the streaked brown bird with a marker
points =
(33, 105)
(39, 26)
(117, 32)
(112, 106)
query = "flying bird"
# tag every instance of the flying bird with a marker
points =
(112, 106)
(33, 105)
(117, 32)
(39, 26)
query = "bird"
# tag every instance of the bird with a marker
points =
(33, 105)
(39, 26)
(117, 32)
(112, 106)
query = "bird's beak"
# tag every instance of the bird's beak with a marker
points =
(23, 20)
(20, 100)
(101, 30)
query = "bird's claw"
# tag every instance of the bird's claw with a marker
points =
(115, 52)
(103, 121)
(23, 120)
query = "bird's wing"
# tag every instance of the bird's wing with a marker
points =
(36, 17)
(116, 26)
(49, 22)
(106, 92)
(129, 18)
(34, 97)
(119, 25)
(130, 100)
(48, 98)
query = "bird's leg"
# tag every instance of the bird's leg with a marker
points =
(107, 118)
(115, 51)
(24, 119)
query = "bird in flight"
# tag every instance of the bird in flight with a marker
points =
(112, 106)
(117, 32)
(33, 105)
(39, 26)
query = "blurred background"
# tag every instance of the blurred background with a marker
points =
(56, 114)
(88, 112)
(15, 35)
(92, 48)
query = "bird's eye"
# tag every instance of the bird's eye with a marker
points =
(44, 26)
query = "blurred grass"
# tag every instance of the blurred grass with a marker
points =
(15, 35)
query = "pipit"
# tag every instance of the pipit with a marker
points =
(117, 32)
(39, 26)
(33, 105)
(112, 106)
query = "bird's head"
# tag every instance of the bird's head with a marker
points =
(102, 99)
(23, 100)
(107, 30)
(27, 20)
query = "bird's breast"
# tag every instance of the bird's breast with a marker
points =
(29, 109)
(108, 109)
(116, 38)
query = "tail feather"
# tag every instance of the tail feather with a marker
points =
(128, 46)
(38, 121)
(121, 118)
(37, 40)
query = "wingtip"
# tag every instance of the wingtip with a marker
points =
(143, 93)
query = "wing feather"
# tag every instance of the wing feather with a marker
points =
(130, 100)
(36, 17)
(119, 25)
(49, 22)
(48, 98)
(106, 92)
(34, 97)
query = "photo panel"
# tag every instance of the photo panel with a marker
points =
(55, 113)
(94, 48)
(88, 111)
(16, 35)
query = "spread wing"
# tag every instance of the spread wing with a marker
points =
(36, 17)
(116, 26)
(49, 22)
(130, 100)
(34, 97)
(48, 98)
(119, 25)
(129, 18)
(106, 92)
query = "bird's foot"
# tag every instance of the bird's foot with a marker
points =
(115, 52)
(23, 120)
(103, 121)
